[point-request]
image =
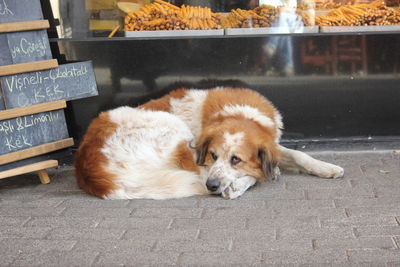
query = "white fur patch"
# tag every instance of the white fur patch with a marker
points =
(232, 141)
(139, 155)
(190, 109)
(249, 113)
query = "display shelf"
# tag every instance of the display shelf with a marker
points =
(357, 29)
(177, 33)
(270, 30)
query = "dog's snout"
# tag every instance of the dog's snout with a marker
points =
(213, 184)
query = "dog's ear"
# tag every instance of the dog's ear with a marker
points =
(268, 163)
(201, 151)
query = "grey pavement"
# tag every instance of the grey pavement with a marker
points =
(298, 221)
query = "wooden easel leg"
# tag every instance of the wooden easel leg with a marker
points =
(44, 177)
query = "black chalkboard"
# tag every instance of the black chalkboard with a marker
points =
(32, 130)
(2, 106)
(20, 10)
(21, 47)
(68, 82)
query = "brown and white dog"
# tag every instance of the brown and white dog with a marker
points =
(189, 142)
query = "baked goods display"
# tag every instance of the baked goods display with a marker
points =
(376, 13)
(261, 16)
(161, 15)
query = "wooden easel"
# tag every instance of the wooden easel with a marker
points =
(39, 167)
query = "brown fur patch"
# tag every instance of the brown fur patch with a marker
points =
(184, 158)
(217, 99)
(162, 104)
(89, 160)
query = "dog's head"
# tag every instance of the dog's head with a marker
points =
(233, 148)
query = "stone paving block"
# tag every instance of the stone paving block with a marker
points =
(167, 212)
(382, 191)
(190, 202)
(127, 258)
(63, 222)
(220, 259)
(16, 247)
(65, 195)
(317, 183)
(283, 222)
(357, 192)
(274, 194)
(322, 256)
(265, 234)
(161, 234)
(355, 243)
(377, 231)
(217, 223)
(57, 258)
(299, 204)
(135, 223)
(314, 233)
(320, 212)
(25, 211)
(13, 221)
(7, 259)
(193, 246)
(278, 245)
(381, 211)
(97, 212)
(24, 195)
(371, 255)
(114, 246)
(218, 202)
(24, 232)
(368, 202)
(36, 203)
(233, 212)
(94, 203)
(366, 220)
(82, 233)
(393, 263)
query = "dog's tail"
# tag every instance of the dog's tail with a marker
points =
(159, 184)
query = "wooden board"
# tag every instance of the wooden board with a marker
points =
(35, 151)
(22, 47)
(23, 111)
(20, 10)
(29, 168)
(31, 131)
(24, 26)
(28, 67)
(68, 81)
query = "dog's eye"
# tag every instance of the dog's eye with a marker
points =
(214, 156)
(235, 160)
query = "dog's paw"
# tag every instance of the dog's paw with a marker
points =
(329, 171)
(231, 192)
(277, 173)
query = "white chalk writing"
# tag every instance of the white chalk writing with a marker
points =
(28, 48)
(4, 10)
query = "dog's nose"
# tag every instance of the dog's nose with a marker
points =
(213, 184)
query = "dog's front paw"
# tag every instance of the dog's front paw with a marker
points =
(231, 192)
(327, 170)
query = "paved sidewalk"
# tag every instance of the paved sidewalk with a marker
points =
(299, 220)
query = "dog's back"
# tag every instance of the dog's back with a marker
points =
(135, 153)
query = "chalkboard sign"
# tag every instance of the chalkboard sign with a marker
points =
(32, 130)
(21, 47)
(2, 106)
(68, 82)
(20, 10)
